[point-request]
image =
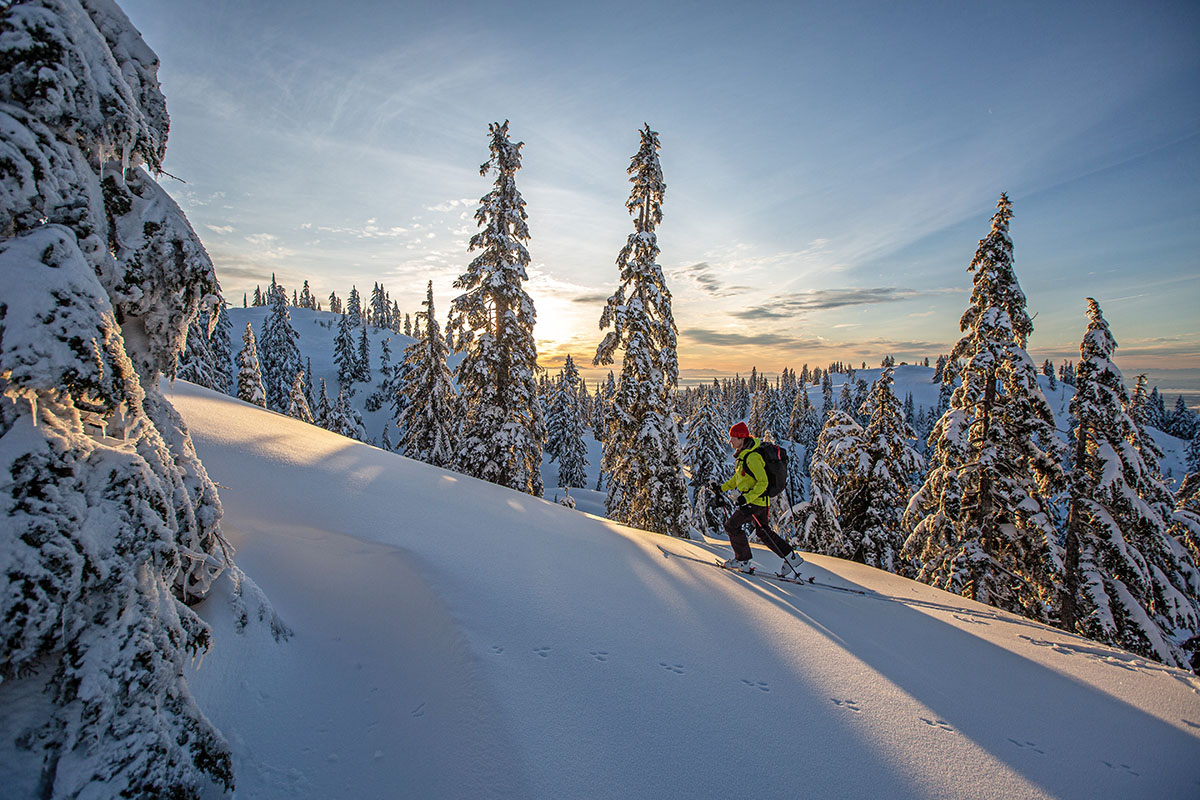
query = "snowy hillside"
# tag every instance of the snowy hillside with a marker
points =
(457, 639)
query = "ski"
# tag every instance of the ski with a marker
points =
(771, 576)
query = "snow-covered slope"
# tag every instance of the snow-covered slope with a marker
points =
(456, 639)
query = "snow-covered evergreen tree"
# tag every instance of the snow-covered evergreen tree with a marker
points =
(1128, 582)
(278, 350)
(827, 401)
(872, 508)
(345, 355)
(428, 411)
(836, 462)
(981, 523)
(110, 521)
(1182, 421)
(354, 309)
(343, 419)
(707, 457)
(646, 484)
(501, 425)
(298, 407)
(249, 382)
(198, 363)
(363, 357)
(220, 344)
(323, 407)
(306, 299)
(601, 413)
(564, 426)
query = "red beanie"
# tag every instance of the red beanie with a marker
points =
(740, 431)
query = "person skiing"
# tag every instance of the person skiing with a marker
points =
(750, 480)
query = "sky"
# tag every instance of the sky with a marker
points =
(829, 170)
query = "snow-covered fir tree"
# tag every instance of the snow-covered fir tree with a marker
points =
(335, 303)
(836, 462)
(707, 456)
(981, 523)
(298, 407)
(354, 309)
(306, 299)
(220, 344)
(323, 407)
(381, 308)
(198, 363)
(249, 381)
(1182, 421)
(601, 413)
(309, 396)
(564, 429)
(363, 357)
(501, 423)
(646, 484)
(872, 505)
(278, 350)
(827, 401)
(428, 411)
(343, 419)
(1128, 582)
(111, 522)
(345, 354)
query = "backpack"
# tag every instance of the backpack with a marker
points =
(775, 460)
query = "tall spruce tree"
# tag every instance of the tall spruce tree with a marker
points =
(646, 483)
(111, 522)
(501, 422)
(428, 411)
(981, 523)
(1128, 581)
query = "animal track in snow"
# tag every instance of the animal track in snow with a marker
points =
(852, 705)
(419, 711)
(676, 668)
(1027, 745)
(599, 655)
(544, 652)
(497, 650)
(1122, 768)
(940, 724)
(971, 620)
(760, 685)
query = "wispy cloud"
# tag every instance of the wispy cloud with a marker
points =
(734, 339)
(703, 276)
(790, 305)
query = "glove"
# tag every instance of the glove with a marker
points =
(741, 500)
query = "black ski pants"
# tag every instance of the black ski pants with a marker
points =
(757, 517)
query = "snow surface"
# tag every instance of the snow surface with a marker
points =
(457, 639)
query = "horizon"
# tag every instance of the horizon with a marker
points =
(829, 215)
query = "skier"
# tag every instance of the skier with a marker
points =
(750, 479)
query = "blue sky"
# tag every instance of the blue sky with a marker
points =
(829, 170)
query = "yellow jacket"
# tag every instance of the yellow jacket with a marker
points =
(749, 475)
